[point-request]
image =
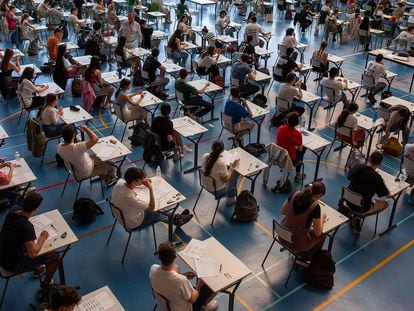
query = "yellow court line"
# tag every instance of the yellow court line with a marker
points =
(243, 303)
(102, 120)
(364, 276)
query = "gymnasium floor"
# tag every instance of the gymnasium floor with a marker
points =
(375, 274)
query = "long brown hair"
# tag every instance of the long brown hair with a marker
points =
(216, 149)
(8, 54)
(304, 198)
(352, 107)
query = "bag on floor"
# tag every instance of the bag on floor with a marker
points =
(255, 149)
(285, 188)
(76, 88)
(392, 147)
(36, 139)
(354, 161)
(260, 100)
(386, 94)
(137, 78)
(219, 81)
(278, 119)
(152, 149)
(320, 273)
(33, 49)
(85, 210)
(269, 17)
(138, 134)
(246, 208)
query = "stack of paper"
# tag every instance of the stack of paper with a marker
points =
(99, 303)
(43, 223)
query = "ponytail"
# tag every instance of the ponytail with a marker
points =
(216, 149)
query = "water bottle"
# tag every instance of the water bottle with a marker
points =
(375, 116)
(158, 172)
(303, 122)
(17, 158)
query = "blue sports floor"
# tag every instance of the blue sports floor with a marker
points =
(375, 274)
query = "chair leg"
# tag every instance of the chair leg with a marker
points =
(44, 152)
(64, 187)
(102, 188)
(221, 132)
(113, 128)
(330, 148)
(198, 197)
(4, 292)
(290, 272)
(123, 134)
(110, 234)
(77, 192)
(215, 212)
(376, 224)
(155, 238)
(126, 247)
(268, 252)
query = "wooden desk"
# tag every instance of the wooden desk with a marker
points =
(396, 189)
(167, 200)
(100, 299)
(3, 136)
(21, 175)
(211, 91)
(310, 100)
(334, 220)
(61, 236)
(249, 166)
(315, 144)
(231, 273)
(109, 149)
(52, 89)
(193, 131)
(258, 116)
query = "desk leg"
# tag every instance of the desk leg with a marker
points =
(411, 85)
(195, 142)
(366, 60)
(61, 268)
(310, 117)
(170, 214)
(318, 163)
(232, 295)
(371, 136)
(391, 224)
(213, 97)
(259, 128)
(390, 82)
(253, 181)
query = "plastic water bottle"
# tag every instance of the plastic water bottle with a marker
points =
(303, 122)
(375, 116)
(17, 158)
(158, 172)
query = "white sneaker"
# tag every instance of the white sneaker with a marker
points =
(186, 149)
(211, 306)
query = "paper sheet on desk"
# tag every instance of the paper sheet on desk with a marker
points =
(40, 222)
(230, 157)
(106, 151)
(22, 178)
(52, 233)
(195, 248)
(99, 303)
(206, 267)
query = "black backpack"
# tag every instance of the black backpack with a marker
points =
(138, 134)
(137, 78)
(255, 149)
(152, 149)
(321, 270)
(278, 119)
(246, 208)
(85, 210)
(260, 100)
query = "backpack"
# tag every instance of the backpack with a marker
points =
(152, 149)
(76, 88)
(246, 208)
(321, 270)
(285, 188)
(255, 149)
(392, 147)
(260, 100)
(137, 79)
(386, 94)
(219, 81)
(36, 139)
(85, 210)
(354, 161)
(33, 49)
(138, 134)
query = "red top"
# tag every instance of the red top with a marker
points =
(289, 138)
(3, 179)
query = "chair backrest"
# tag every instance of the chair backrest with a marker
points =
(195, 66)
(352, 197)
(329, 92)
(162, 301)
(118, 112)
(281, 231)
(21, 101)
(168, 52)
(235, 82)
(282, 104)
(117, 214)
(408, 165)
(71, 169)
(367, 80)
(344, 131)
(226, 121)
(236, 57)
(219, 31)
(383, 113)
(402, 43)
(205, 179)
(145, 75)
(281, 50)
(179, 95)
(317, 62)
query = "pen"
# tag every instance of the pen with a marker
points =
(221, 266)
(53, 227)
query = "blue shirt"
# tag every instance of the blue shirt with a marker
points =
(240, 71)
(235, 110)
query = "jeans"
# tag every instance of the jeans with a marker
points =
(231, 188)
(299, 159)
(152, 217)
(53, 130)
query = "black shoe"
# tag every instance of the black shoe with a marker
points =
(185, 212)
(356, 224)
(180, 220)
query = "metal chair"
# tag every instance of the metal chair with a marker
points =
(344, 139)
(187, 109)
(202, 176)
(161, 300)
(119, 218)
(197, 72)
(319, 67)
(282, 235)
(49, 139)
(6, 275)
(363, 39)
(24, 108)
(281, 50)
(71, 171)
(367, 82)
(352, 199)
(330, 98)
(225, 122)
(120, 115)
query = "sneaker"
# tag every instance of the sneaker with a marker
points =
(211, 306)
(41, 270)
(180, 220)
(300, 177)
(356, 224)
(110, 181)
(230, 201)
(185, 212)
(185, 149)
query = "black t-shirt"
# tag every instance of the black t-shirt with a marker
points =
(151, 65)
(246, 48)
(299, 209)
(287, 66)
(367, 182)
(16, 231)
(146, 37)
(163, 126)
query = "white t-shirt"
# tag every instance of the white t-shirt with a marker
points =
(78, 156)
(351, 122)
(173, 286)
(376, 70)
(254, 30)
(218, 172)
(336, 85)
(132, 206)
(50, 116)
(288, 92)
(26, 88)
(289, 42)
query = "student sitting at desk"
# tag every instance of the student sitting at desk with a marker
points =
(287, 64)
(240, 71)
(137, 211)
(7, 66)
(290, 90)
(408, 36)
(163, 127)
(222, 24)
(130, 108)
(238, 109)
(166, 280)
(207, 64)
(55, 16)
(225, 180)
(51, 116)
(84, 165)
(247, 47)
(177, 48)
(335, 84)
(322, 55)
(376, 69)
(304, 219)
(25, 88)
(185, 29)
(290, 138)
(64, 298)
(254, 29)
(65, 68)
(191, 94)
(10, 194)
(158, 81)
(347, 121)
(124, 58)
(19, 250)
(182, 9)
